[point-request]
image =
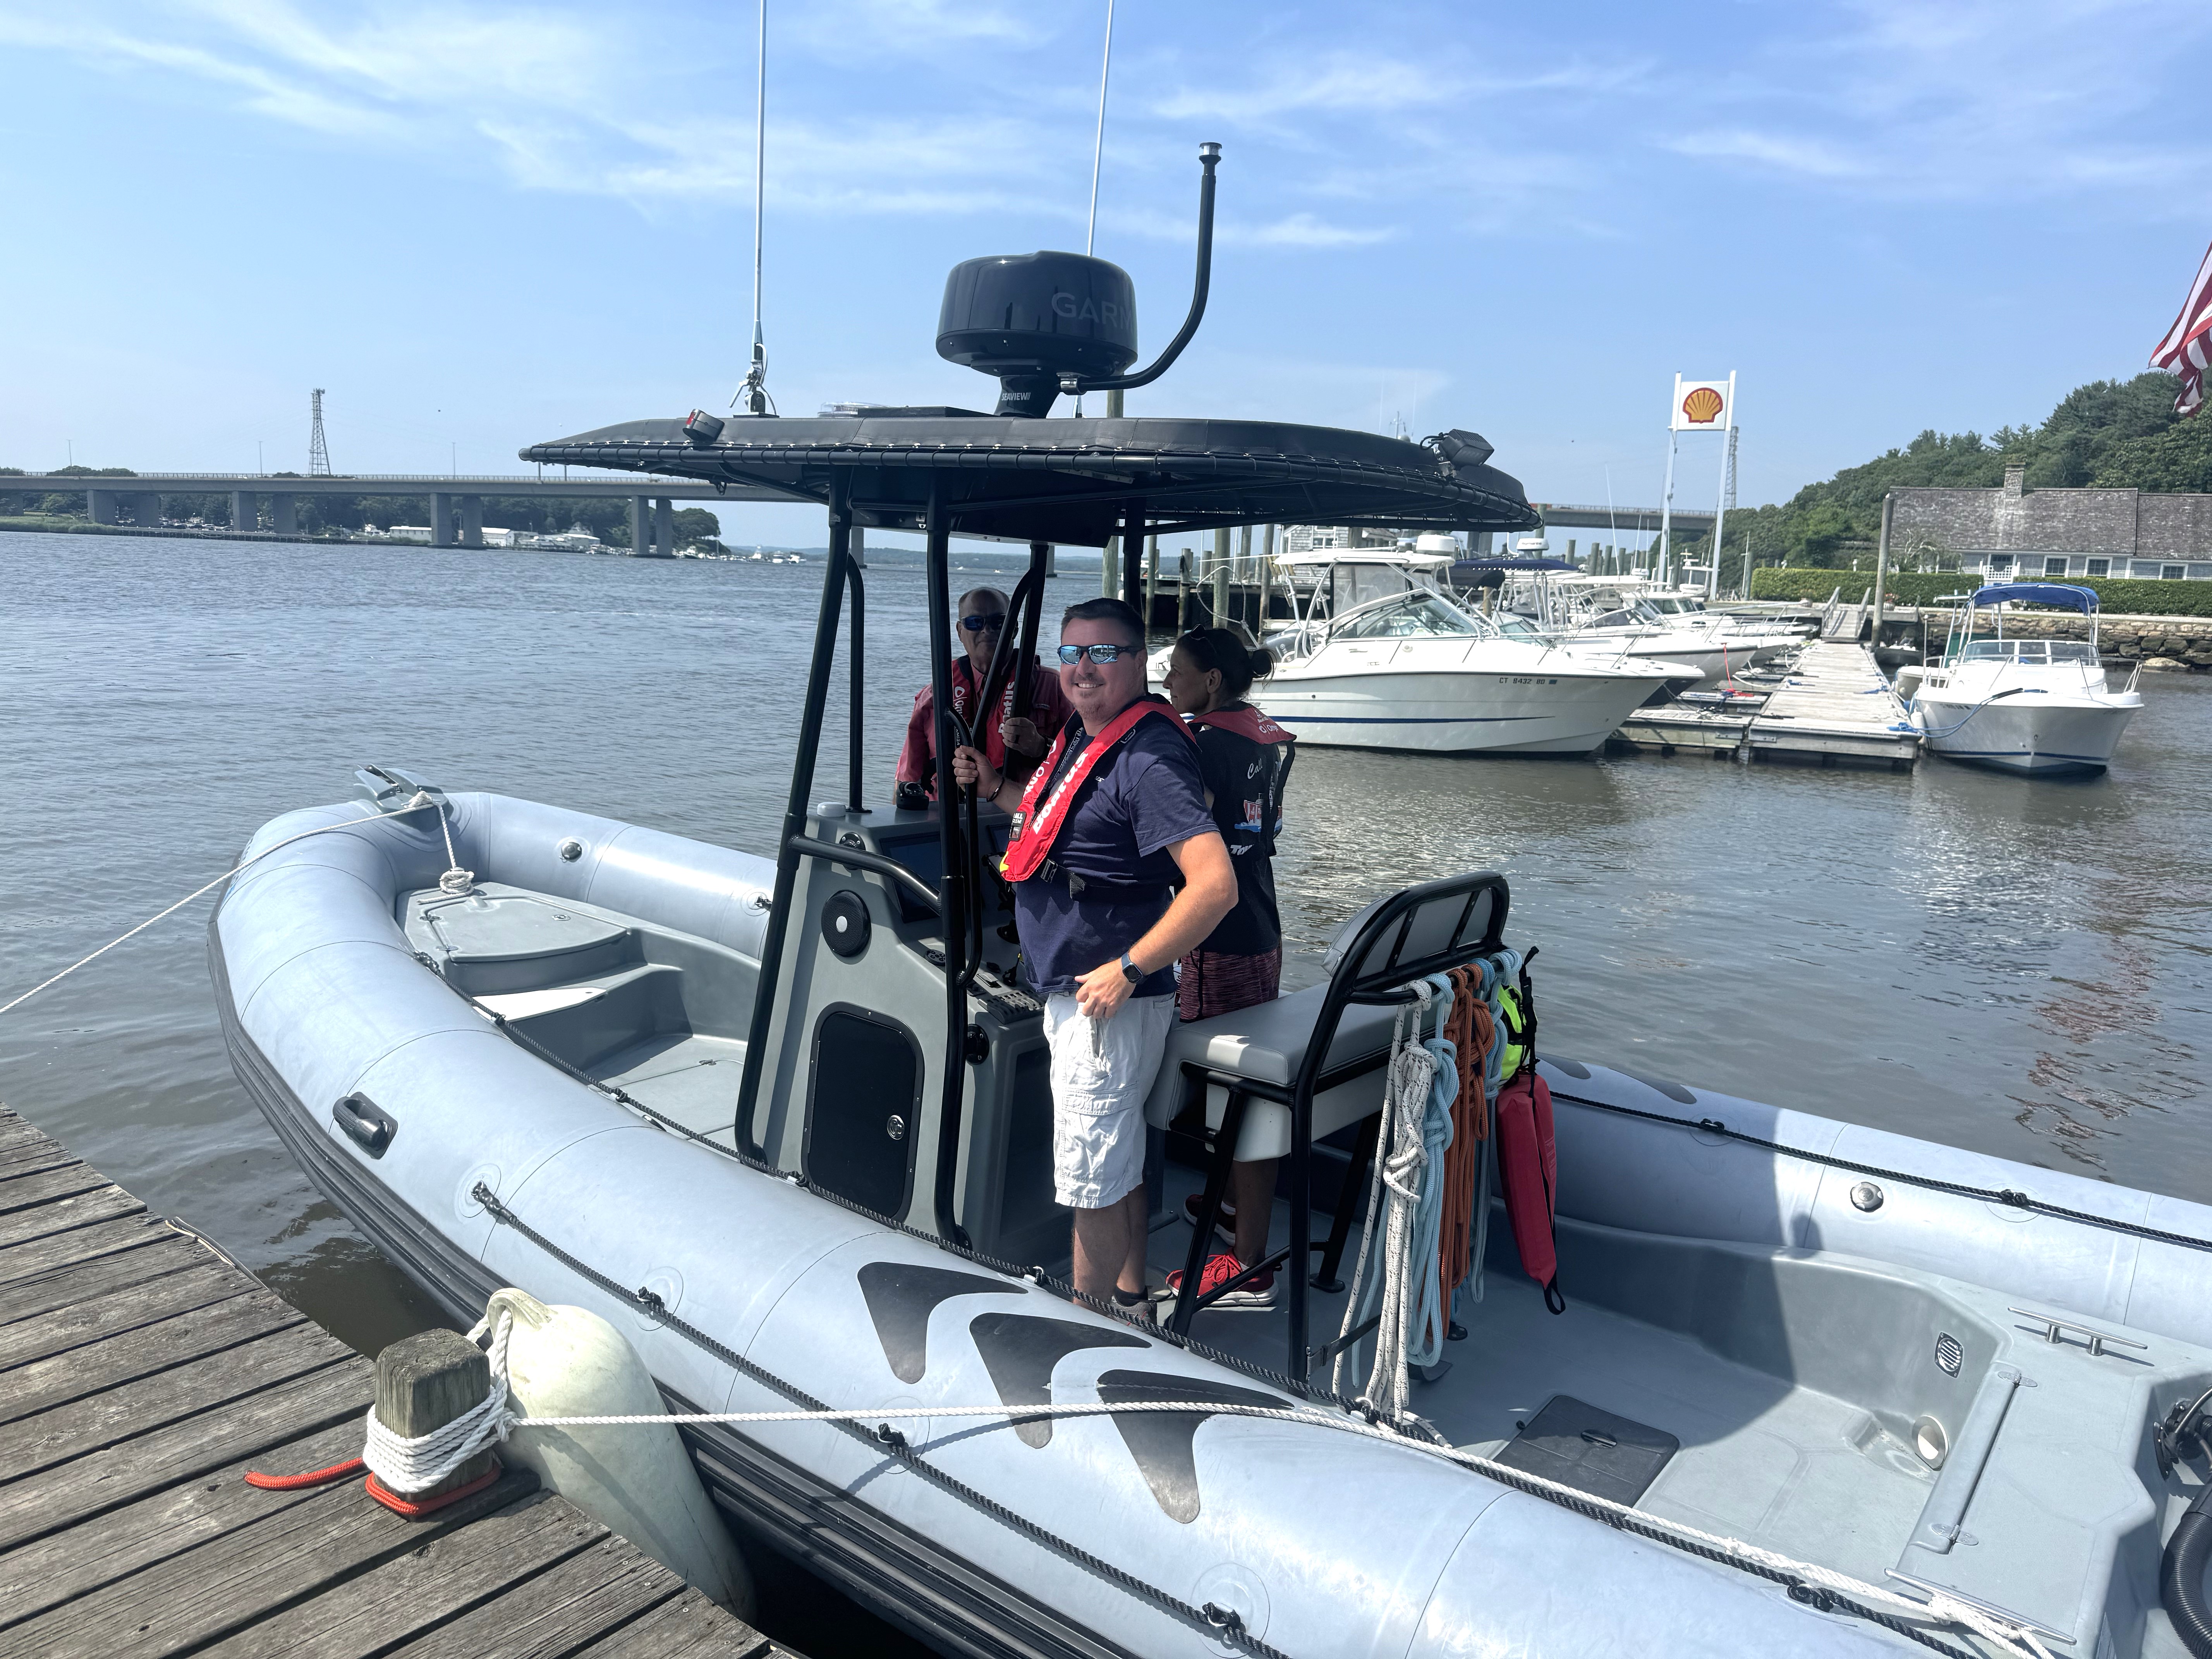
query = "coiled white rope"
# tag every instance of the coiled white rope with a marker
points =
(408, 1465)
(456, 883)
(420, 803)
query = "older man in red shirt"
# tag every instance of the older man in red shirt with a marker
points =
(1015, 740)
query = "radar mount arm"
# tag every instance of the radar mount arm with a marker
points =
(1209, 156)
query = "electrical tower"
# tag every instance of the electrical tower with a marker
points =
(319, 454)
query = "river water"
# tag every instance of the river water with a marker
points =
(2017, 967)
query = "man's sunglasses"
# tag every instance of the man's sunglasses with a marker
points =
(1101, 654)
(994, 622)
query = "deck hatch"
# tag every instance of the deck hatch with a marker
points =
(1584, 1446)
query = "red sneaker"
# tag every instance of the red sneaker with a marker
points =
(1254, 1293)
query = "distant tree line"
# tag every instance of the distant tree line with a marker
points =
(2117, 434)
(606, 518)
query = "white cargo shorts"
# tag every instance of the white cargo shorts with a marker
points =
(1102, 1070)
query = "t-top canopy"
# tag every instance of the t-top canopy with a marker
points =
(2064, 594)
(1073, 481)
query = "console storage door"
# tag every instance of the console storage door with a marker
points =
(863, 1109)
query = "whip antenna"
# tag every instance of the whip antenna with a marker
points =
(1098, 145)
(754, 392)
(1098, 154)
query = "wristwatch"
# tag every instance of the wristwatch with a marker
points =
(1133, 974)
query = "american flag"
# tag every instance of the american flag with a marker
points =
(2187, 347)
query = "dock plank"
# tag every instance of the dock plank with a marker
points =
(41, 1256)
(66, 1215)
(686, 1627)
(240, 1579)
(71, 1282)
(172, 1346)
(559, 1612)
(62, 1566)
(27, 1192)
(99, 1314)
(413, 1593)
(114, 1474)
(141, 1376)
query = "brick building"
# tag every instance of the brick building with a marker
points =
(2013, 531)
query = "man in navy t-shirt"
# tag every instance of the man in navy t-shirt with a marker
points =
(1103, 832)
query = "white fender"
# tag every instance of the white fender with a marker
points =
(636, 1478)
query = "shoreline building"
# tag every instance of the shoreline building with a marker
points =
(2015, 533)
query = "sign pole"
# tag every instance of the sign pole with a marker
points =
(1667, 499)
(1721, 501)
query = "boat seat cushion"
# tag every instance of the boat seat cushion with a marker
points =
(1267, 1042)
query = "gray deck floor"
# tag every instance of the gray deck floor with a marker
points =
(1783, 1467)
(141, 1376)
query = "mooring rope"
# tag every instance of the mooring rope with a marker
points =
(417, 804)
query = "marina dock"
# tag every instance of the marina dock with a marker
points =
(142, 1374)
(1834, 708)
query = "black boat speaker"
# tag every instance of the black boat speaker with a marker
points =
(1030, 318)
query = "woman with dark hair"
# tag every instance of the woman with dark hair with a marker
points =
(1245, 759)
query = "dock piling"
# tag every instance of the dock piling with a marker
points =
(423, 1382)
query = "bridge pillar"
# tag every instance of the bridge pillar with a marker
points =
(663, 528)
(245, 510)
(284, 513)
(472, 521)
(640, 535)
(147, 510)
(441, 519)
(102, 506)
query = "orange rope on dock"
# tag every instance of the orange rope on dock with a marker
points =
(1471, 1032)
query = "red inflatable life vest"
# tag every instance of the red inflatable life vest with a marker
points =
(1528, 1167)
(1038, 823)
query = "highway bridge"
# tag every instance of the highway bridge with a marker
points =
(456, 503)
(259, 499)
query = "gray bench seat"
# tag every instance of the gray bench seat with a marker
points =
(1267, 1043)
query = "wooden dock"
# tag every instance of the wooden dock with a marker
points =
(142, 1375)
(1835, 708)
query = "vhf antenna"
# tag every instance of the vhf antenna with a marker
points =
(754, 392)
(1098, 155)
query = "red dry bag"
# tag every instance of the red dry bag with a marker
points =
(1528, 1168)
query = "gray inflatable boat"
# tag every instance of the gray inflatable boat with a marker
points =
(786, 1120)
(1900, 1378)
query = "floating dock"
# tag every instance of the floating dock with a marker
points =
(1834, 708)
(142, 1374)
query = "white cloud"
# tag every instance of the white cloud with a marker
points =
(1808, 156)
(1974, 101)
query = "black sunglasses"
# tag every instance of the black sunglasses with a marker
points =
(1071, 654)
(994, 622)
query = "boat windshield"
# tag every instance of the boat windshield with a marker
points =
(2033, 652)
(1407, 615)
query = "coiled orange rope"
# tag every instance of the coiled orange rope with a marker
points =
(1471, 1031)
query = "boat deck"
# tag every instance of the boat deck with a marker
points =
(142, 1375)
(1761, 1459)
(1834, 708)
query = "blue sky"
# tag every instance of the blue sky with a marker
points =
(482, 225)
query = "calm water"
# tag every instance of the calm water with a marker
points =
(2017, 967)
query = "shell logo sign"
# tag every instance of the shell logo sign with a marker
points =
(1702, 405)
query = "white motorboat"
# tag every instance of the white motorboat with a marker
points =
(1414, 670)
(2022, 705)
